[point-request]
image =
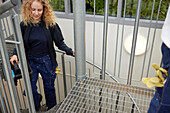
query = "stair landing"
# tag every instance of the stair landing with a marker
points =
(94, 96)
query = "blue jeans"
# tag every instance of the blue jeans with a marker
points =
(43, 66)
(161, 100)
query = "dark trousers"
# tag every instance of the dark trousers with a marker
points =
(43, 66)
(160, 103)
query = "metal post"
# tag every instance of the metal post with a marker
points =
(23, 64)
(79, 38)
(105, 39)
(7, 5)
(119, 9)
(64, 75)
(67, 6)
(135, 33)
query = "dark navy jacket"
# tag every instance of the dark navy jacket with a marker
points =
(53, 34)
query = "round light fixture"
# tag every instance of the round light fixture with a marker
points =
(140, 45)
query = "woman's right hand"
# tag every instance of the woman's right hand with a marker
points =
(14, 58)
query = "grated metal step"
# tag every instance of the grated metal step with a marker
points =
(94, 96)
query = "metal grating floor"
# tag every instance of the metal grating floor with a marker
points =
(94, 96)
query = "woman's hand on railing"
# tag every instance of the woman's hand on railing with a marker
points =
(73, 53)
(60, 51)
(14, 58)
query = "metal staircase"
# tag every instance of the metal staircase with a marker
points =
(88, 94)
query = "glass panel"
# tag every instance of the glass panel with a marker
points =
(146, 9)
(99, 7)
(57, 5)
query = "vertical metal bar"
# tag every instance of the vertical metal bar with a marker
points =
(70, 74)
(122, 39)
(135, 33)
(116, 45)
(94, 39)
(67, 7)
(23, 64)
(8, 26)
(2, 103)
(64, 75)
(8, 73)
(105, 39)
(89, 73)
(94, 33)
(119, 9)
(19, 6)
(5, 28)
(79, 38)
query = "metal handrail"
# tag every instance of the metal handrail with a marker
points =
(94, 66)
(60, 51)
(8, 5)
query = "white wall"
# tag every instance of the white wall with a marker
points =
(67, 30)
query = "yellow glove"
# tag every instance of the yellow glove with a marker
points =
(158, 80)
(57, 70)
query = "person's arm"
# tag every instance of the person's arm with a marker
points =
(59, 40)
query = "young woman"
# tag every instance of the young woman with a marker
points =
(39, 31)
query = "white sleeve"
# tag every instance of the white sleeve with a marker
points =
(165, 36)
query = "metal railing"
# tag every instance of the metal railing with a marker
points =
(139, 66)
(15, 95)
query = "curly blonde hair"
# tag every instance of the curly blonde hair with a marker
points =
(48, 14)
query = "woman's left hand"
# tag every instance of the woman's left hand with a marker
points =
(73, 53)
